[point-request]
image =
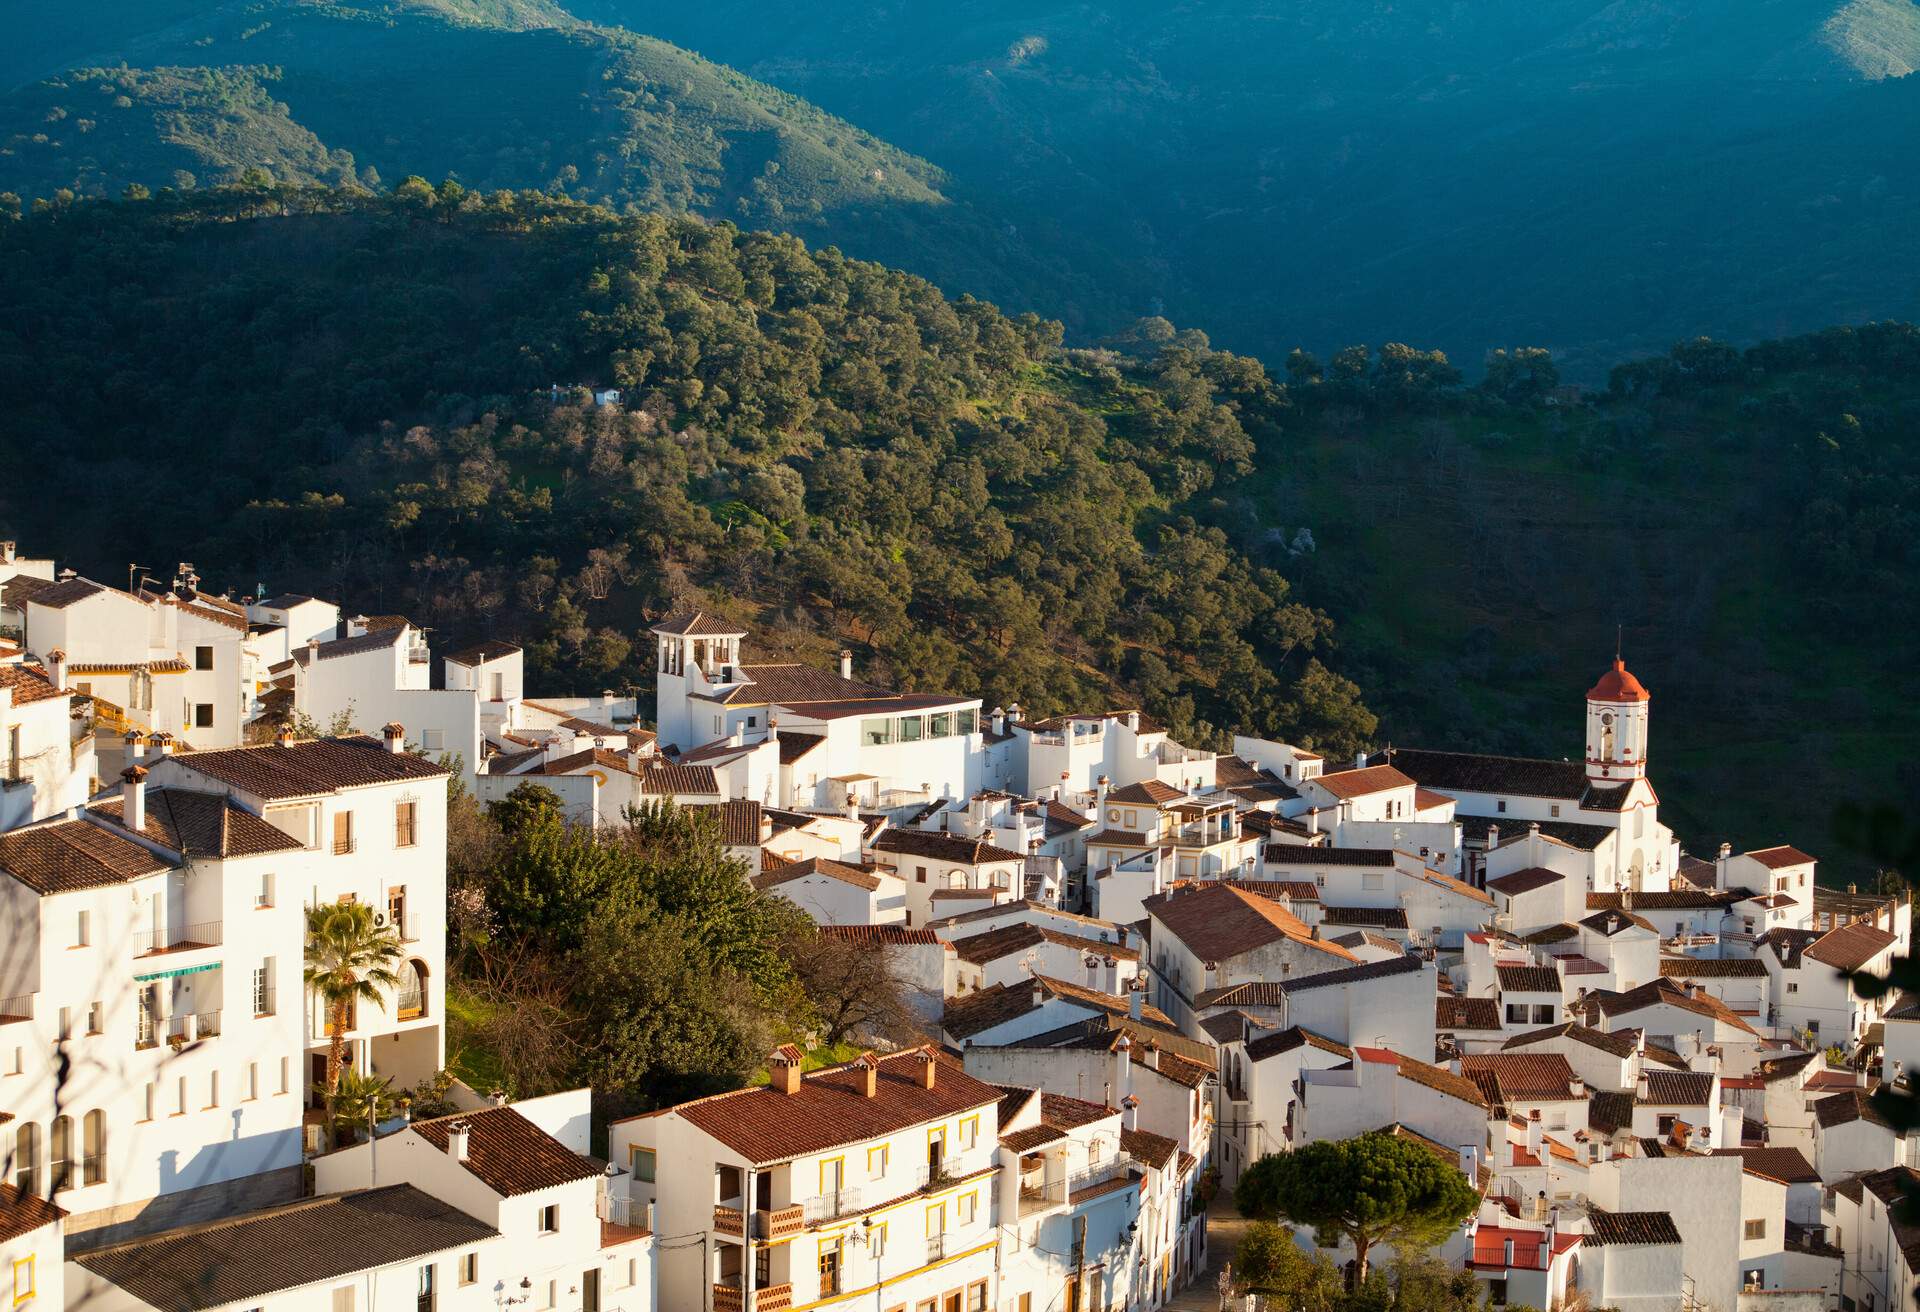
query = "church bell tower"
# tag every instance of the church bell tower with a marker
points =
(1617, 727)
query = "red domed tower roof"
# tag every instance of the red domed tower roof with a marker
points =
(1618, 685)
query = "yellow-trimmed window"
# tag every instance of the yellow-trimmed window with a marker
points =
(23, 1284)
(964, 1209)
(936, 1220)
(877, 1157)
(833, 1174)
(969, 1132)
(829, 1266)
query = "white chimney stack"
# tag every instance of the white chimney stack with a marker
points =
(396, 735)
(1136, 998)
(1132, 1106)
(999, 722)
(57, 669)
(133, 797)
(457, 1140)
(846, 664)
(136, 746)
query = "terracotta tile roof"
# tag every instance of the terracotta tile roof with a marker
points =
(1008, 939)
(1156, 1150)
(509, 1153)
(17, 591)
(1617, 1045)
(1268, 1045)
(1572, 833)
(68, 592)
(1712, 968)
(1675, 899)
(1610, 923)
(1662, 992)
(1437, 1078)
(942, 847)
(1425, 799)
(28, 685)
(658, 779)
(891, 935)
(487, 649)
(1610, 1111)
(1148, 792)
(699, 624)
(1525, 881)
(1677, 1089)
(21, 1212)
(1120, 838)
(1551, 934)
(1850, 1105)
(1528, 979)
(1369, 917)
(1454, 1013)
(831, 1108)
(1896, 1187)
(1787, 1165)
(1362, 782)
(246, 1258)
(1218, 922)
(334, 649)
(71, 855)
(1034, 1136)
(311, 767)
(1781, 1068)
(1065, 1113)
(983, 1009)
(1466, 772)
(1617, 1229)
(203, 824)
(1509, 1077)
(739, 820)
(1270, 993)
(1301, 854)
(1850, 946)
(794, 744)
(1779, 858)
(821, 866)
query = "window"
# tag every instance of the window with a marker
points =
(1664, 1124)
(829, 1267)
(203, 715)
(968, 1205)
(977, 1296)
(95, 1018)
(550, 1294)
(23, 1286)
(877, 1240)
(203, 658)
(550, 1219)
(641, 1160)
(470, 1268)
(406, 824)
(919, 874)
(283, 1073)
(1757, 1229)
(1516, 1013)
(342, 832)
(433, 740)
(423, 1297)
(936, 1220)
(153, 1101)
(343, 1299)
(1497, 1292)
(1813, 1027)
(253, 1080)
(969, 1132)
(65, 1031)
(876, 733)
(1554, 810)
(264, 898)
(876, 1162)
(62, 1177)
(912, 728)
(1793, 986)
(81, 928)
(967, 721)
(213, 1089)
(263, 988)
(1501, 807)
(1371, 880)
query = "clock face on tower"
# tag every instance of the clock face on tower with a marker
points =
(1606, 719)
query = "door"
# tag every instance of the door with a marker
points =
(590, 1290)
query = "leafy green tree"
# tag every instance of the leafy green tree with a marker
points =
(362, 1101)
(1269, 1261)
(1376, 1188)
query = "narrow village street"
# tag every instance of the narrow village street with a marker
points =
(1225, 1225)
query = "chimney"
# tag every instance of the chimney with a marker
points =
(457, 1140)
(846, 664)
(1131, 1105)
(853, 807)
(869, 1074)
(1643, 1088)
(133, 797)
(1577, 1088)
(999, 721)
(1626, 898)
(773, 728)
(313, 649)
(1133, 721)
(1136, 997)
(1720, 865)
(1313, 821)
(136, 745)
(57, 669)
(1039, 992)
(1534, 854)
(1153, 1055)
(498, 1098)
(396, 735)
(285, 736)
(929, 1066)
(164, 741)
(783, 1068)
(1536, 1133)
(1101, 787)
(1122, 1066)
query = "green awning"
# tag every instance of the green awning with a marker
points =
(169, 974)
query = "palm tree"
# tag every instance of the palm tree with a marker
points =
(349, 960)
(362, 1100)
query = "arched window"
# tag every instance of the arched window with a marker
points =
(412, 1001)
(26, 1158)
(94, 1147)
(60, 1178)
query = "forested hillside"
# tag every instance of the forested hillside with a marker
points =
(328, 391)
(331, 391)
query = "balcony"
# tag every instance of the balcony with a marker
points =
(779, 1222)
(1094, 1177)
(179, 1030)
(16, 1009)
(176, 938)
(1038, 1194)
(730, 1221)
(410, 1003)
(767, 1298)
(937, 1247)
(831, 1206)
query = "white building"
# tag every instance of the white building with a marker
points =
(46, 755)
